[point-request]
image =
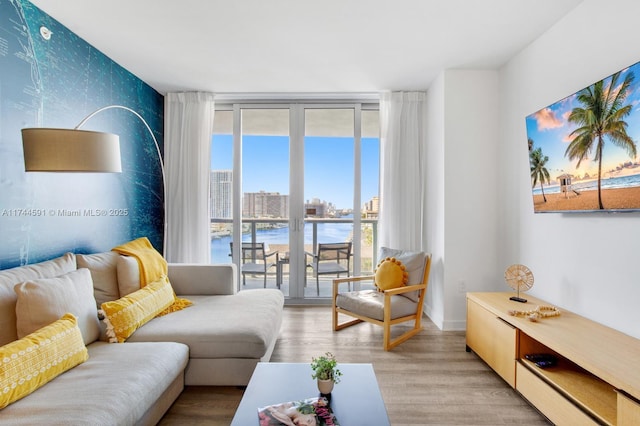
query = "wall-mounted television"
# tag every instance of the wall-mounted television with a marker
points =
(583, 149)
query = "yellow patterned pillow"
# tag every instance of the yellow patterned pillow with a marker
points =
(39, 357)
(127, 314)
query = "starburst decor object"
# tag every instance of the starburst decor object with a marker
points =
(519, 278)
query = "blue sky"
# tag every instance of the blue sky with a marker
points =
(328, 166)
(550, 130)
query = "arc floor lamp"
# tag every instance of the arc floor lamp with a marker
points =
(75, 150)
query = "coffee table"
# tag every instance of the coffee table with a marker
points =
(356, 400)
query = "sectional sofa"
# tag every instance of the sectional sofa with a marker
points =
(217, 340)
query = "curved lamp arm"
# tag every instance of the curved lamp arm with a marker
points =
(88, 117)
(75, 150)
(155, 141)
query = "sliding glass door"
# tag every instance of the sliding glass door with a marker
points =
(265, 195)
(329, 152)
(300, 186)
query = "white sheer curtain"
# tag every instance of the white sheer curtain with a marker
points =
(188, 127)
(402, 170)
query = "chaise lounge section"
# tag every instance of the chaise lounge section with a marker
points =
(218, 340)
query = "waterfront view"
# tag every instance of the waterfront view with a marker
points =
(327, 233)
(307, 178)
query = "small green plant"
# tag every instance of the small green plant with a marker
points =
(325, 368)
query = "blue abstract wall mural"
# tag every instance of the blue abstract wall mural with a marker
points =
(56, 83)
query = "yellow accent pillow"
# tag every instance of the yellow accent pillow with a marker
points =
(125, 315)
(39, 357)
(390, 274)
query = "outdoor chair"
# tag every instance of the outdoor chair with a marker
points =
(386, 307)
(329, 259)
(256, 261)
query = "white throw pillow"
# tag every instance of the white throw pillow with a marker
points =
(128, 275)
(10, 277)
(44, 301)
(103, 268)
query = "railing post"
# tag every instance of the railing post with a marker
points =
(315, 237)
(374, 242)
(253, 240)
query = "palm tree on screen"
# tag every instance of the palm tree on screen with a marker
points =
(539, 172)
(601, 115)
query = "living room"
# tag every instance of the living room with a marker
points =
(581, 262)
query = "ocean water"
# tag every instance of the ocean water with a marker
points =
(608, 183)
(327, 233)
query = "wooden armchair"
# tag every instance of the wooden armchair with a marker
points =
(383, 308)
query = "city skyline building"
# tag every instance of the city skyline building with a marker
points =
(221, 201)
(371, 208)
(265, 204)
(269, 204)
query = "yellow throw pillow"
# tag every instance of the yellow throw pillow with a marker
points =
(390, 273)
(39, 357)
(125, 315)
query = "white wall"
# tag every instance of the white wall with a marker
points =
(582, 262)
(462, 204)
(435, 216)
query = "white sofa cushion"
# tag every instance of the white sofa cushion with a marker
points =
(237, 326)
(115, 386)
(10, 277)
(128, 275)
(43, 301)
(103, 267)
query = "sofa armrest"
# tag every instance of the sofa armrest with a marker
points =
(203, 279)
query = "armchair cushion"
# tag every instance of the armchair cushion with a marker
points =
(391, 273)
(413, 261)
(370, 303)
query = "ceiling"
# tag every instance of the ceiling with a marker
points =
(305, 46)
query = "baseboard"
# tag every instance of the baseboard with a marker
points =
(437, 320)
(455, 325)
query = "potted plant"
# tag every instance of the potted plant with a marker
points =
(325, 371)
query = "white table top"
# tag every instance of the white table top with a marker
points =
(356, 400)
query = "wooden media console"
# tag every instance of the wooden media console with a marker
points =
(596, 379)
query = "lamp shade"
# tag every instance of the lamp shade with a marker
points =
(70, 150)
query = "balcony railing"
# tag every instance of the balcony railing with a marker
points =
(221, 228)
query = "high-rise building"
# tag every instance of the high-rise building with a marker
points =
(265, 204)
(316, 208)
(221, 194)
(372, 207)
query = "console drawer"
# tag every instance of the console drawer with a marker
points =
(628, 411)
(550, 402)
(493, 340)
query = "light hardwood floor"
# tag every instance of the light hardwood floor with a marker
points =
(428, 380)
